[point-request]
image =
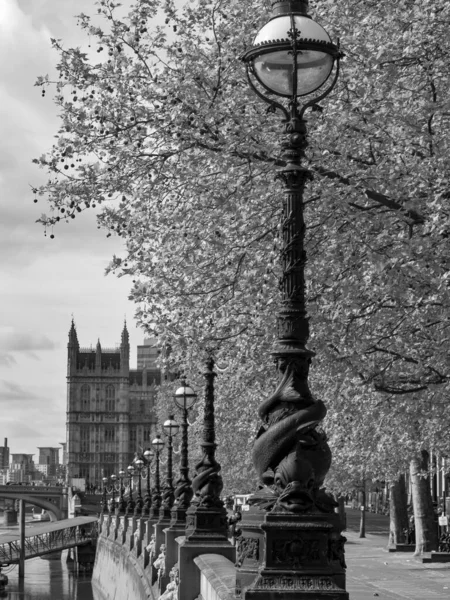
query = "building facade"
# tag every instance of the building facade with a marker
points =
(21, 469)
(49, 458)
(110, 409)
(4, 455)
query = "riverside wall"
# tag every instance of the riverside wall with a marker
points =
(127, 567)
(122, 569)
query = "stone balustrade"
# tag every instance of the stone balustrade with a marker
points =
(128, 568)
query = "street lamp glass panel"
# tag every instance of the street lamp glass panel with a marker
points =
(157, 443)
(139, 463)
(130, 469)
(275, 69)
(105, 480)
(121, 474)
(113, 477)
(149, 454)
(171, 427)
(185, 397)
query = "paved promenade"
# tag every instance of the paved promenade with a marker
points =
(372, 571)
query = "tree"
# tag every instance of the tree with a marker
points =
(160, 133)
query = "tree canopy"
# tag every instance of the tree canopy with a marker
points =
(161, 135)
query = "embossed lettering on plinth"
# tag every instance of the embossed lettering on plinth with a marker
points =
(206, 522)
(297, 556)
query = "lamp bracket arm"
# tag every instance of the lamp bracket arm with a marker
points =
(272, 104)
(323, 94)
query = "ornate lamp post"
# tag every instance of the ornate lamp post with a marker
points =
(148, 456)
(291, 531)
(158, 445)
(185, 398)
(121, 505)
(112, 506)
(139, 465)
(170, 428)
(104, 503)
(130, 503)
(207, 515)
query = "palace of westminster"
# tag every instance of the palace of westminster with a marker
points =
(110, 407)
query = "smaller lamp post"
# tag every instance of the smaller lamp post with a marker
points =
(148, 456)
(170, 429)
(112, 506)
(139, 465)
(184, 398)
(158, 445)
(121, 506)
(130, 503)
(104, 503)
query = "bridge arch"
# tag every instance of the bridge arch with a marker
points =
(55, 513)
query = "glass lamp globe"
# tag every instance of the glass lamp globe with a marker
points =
(149, 454)
(157, 443)
(171, 427)
(274, 63)
(185, 397)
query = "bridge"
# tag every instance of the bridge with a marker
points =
(40, 539)
(54, 499)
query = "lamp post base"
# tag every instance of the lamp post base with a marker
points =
(298, 556)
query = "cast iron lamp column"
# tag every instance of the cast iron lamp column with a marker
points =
(121, 505)
(291, 534)
(206, 518)
(130, 503)
(148, 456)
(158, 445)
(139, 465)
(104, 503)
(112, 506)
(170, 428)
(184, 398)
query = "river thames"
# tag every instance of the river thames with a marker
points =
(48, 580)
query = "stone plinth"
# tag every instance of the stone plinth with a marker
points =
(206, 533)
(297, 556)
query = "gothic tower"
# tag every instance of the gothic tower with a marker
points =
(110, 409)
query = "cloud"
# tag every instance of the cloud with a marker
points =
(7, 360)
(13, 392)
(12, 341)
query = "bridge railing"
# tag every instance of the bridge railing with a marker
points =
(45, 543)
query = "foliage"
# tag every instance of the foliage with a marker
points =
(160, 132)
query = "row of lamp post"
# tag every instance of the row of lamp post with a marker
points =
(158, 499)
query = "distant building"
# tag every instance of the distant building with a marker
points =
(4, 455)
(21, 468)
(147, 355)
(64, 453)
(44, 469)
(110, 408)
(49, 457)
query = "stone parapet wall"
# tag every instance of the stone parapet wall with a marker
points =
(127, 568)
(217, 577)
(122, 569)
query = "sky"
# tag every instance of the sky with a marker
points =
(44, 282)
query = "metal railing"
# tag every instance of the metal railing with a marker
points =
(45, 543)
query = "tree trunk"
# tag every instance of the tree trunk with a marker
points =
(362, 523)
(340, 509)
(398, 512)
(426, 529)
